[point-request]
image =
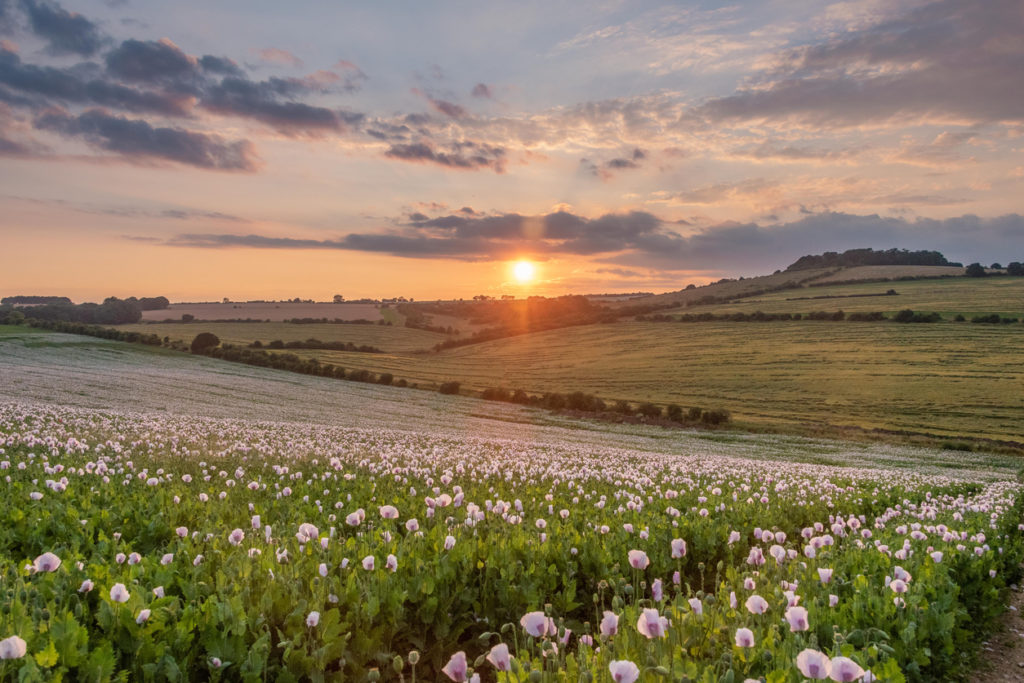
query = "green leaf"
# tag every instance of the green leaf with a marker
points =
(47, 657)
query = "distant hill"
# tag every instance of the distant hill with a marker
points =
(870, 257)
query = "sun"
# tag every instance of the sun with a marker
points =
(523, 271)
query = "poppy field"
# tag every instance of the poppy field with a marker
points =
(154, 547)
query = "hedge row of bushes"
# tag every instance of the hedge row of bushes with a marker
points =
(316, 344)
(905, 316)
(588, 403)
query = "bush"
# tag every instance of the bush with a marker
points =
(693, 414)
(450, 388)
(649, 410)
(674, 413)
(623, 407)
(975, 270)
(385, 378)
(204, 342)
(715, 417)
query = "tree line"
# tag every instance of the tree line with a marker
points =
(870, 257)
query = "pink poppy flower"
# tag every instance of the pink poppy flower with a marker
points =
(456, 667)
(623, 671)
(638, 559)
(797, 618)
(813, 664)
(744, 637)
(652, 624)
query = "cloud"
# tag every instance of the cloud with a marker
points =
(482, 90)
(271, 102)
(66, 32)
(465, 155)
(627, 241)
(273, 55)
(149, 60)
(138, 140)
(951, 60)
(72, 86)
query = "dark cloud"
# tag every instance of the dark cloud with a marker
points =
(219, 65)
(466, 155)
(745, 248)
(481, 238)
(73, 86)
(66, 32)
(149, 60)
(948, 60)
(418, 217)
(641, 240)
(138, 140)
(482, 90)
(270, 102)
(449, 109)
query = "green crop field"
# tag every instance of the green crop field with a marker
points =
(949, 296)
(949, 379)
(387, 338)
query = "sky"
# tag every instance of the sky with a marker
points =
(263, 150)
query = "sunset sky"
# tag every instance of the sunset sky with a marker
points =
(255, 149)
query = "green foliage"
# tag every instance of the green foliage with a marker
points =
(204, 342)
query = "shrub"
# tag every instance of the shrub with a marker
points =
(715, 417)
(385, 378)
(204, 342)
(623, 407)
(649, 410)
(674, 413)
(693, 414)
(450, 388)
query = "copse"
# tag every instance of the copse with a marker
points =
(204, 342)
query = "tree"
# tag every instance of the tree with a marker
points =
(339, 299)
(1015, 268)
(996, 266)
(204, 342)
(975, 270)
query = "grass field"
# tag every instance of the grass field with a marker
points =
(948, 296)
(69, 370)
(950, 379)
(947, 379)
(394, 338)
(267, 311)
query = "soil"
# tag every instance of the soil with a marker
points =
(1001, 659)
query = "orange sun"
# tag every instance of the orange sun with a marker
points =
(523, 271)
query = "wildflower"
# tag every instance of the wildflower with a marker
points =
(696, 605)
(537, 624)
(388, 512)
(500, 658)
(744, 637)
(412, 525)
(12, 648)
(143, 617)
(86, 586)
(797, 618)
(623, 671)
(47, 562)
(118, 593)
(833, 600)
(844, 670)
(368, 562)
(937, 556)
(756, 604)
(182, 531)
(391, 564)
(678, 547)
(307, 532)
(236, 537)
(313, 619)
(167, 559)
(198, 561)
(456, 667)
(134, 558)
(449, 542)
(813, 664)
(652, 624)
(898, 586)
(824, 574)
(609, 623)
(749, 584)
(657, 592)
(158, 591)
(638, 559)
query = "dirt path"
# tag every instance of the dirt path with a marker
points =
(1002, 655)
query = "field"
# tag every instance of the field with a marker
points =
(396, 339)
(950, 380)
(965, 296)
(177, 518)
(267, 311)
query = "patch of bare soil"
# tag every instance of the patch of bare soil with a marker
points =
(1002, 656)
